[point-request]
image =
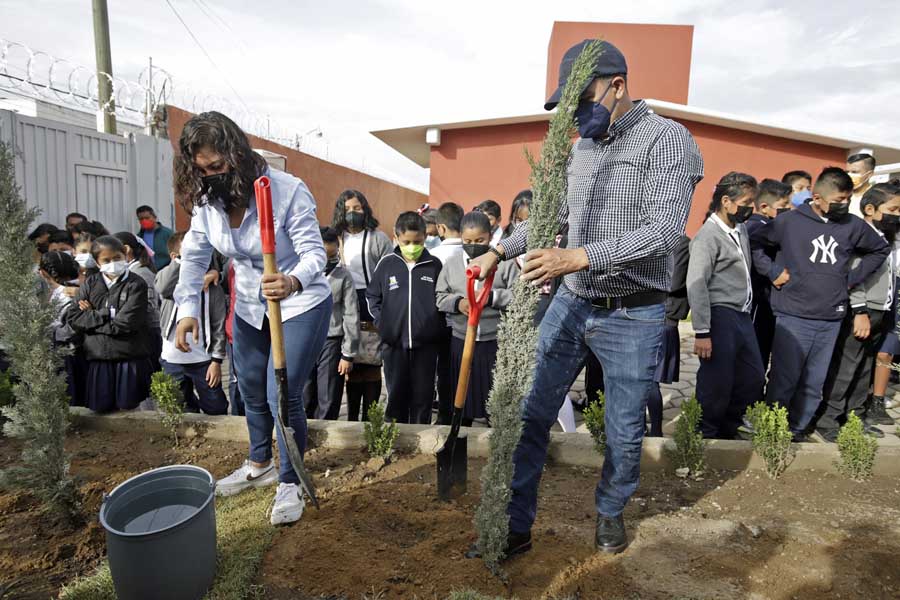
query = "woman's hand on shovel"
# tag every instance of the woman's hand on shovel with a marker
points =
(279, 286)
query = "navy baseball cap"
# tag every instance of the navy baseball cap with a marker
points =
(610, 62)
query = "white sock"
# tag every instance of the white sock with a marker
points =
(257, 471)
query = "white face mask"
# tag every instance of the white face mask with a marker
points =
(114, 269)
(85, 261)
(432, 241)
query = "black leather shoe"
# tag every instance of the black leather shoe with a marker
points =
(877, 414)
(799, 438)
(829, 435)
(610, 535)
(516, 543)
(873, 431)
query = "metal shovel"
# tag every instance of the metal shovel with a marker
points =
(453, 458)
(267, 234)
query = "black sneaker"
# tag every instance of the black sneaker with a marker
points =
(877, 414)
(516, 543)
(828, 435)
(610, 536)
(799, 437)
(872, 430)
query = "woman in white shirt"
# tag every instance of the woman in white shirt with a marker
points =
(215, 171)
(362, 245)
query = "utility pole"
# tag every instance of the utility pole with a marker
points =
(104, 68)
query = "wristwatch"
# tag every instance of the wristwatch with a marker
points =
(501, 257)
(860, 310)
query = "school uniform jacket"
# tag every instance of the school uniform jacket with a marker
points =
(817, 253)
(115, 329)
(402, 301)
(214, 310)
(344, 312)
(451, 289)
(877, 291)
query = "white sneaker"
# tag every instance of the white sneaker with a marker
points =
(289, 504)
(245, 477)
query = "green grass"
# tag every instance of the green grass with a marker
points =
(244, 534)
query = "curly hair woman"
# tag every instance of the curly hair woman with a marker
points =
(214, 175)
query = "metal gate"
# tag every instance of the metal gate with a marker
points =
(64, 168)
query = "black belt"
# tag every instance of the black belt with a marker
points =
(631, 301)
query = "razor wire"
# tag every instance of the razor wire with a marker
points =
(40, 75)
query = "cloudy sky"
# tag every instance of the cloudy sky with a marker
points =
(351, 67)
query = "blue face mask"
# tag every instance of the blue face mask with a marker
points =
(593, 118)
(798, 198)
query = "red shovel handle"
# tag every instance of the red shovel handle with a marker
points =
(478, 302)
(264, 210)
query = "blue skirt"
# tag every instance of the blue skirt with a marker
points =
(891, 343)
(120, 385)
(669, 359)
(76, 377)
(481, 375)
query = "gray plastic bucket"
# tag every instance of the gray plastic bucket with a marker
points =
(161, 534)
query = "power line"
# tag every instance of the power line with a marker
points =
(208, 9)
(208, 56)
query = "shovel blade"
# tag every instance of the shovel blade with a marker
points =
(452, 468)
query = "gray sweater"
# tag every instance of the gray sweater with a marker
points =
(451, 288)
(214, 309)
(717, 274)
(152, 297)
(345, 312)
(376, 245)
(875, 290)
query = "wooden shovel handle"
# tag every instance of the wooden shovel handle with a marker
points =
(465, 367)
(263, 191)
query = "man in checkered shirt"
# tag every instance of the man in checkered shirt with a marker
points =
(629, 194)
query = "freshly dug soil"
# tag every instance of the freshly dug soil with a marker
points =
(381, 532)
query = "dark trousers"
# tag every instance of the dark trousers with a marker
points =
(801, 353)
(410, 382)
(850, 371)
(192, 377)
(361, 395)
(732, 378)
(764, 326)
(593, 379)
(234, 390)
(325, 388)
(445, 385)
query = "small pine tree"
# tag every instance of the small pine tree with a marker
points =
(380, 437)
(595, 421)
(517, 336)
(690, 446)
(7, 398)
(771, 436)
(40, 415)
(857, 449)
(166, 392)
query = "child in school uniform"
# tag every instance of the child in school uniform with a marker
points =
(141, 263)
(401, 299)
(668, 366)
(60, 271)
(865, 327)
(774, 198)
(199, 370)
(452, 300)
(730, 376)
(111, 312)
(812, 274)
(325, 388)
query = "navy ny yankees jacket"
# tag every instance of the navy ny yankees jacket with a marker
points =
(817, 254)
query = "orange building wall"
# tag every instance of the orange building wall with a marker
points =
(658, 56)
(473, 164)
(325, 180)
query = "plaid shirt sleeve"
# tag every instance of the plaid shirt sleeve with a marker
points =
(517, 243)
(675, 167)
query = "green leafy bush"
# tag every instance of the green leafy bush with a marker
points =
(771, 436)
(857, 449)
(595, 421)
(40, 415)
(690, 447)
(380, 437)
(7, 398)
(166, 392)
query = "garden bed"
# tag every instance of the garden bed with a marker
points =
(381, 533)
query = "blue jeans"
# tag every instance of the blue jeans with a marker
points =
(234, 392)
(304, 336)
(192, 377)
(626, 342)
(801, 353)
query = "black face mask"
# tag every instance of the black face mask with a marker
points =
(743, 213)
(781, 211)
(356, 220)
(837, 211)
(218, 186)
(475, 250)
(889, 224)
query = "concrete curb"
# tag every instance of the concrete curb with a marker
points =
(575, 449)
